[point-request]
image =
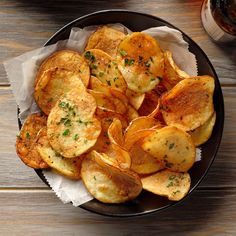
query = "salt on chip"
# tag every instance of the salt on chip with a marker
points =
(201, 134)
(67, 60)
(72, 127)
(142, 162)
(26, 141)
(168, 184)
(105, 68)
(140, 61)
(171, 146)
(64, 166)
(106, 39)
(172, 73)
(189, 104)
(107, 182)
(52, 84)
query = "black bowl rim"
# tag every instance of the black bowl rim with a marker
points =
(83, 206)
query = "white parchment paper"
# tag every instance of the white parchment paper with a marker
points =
(21, 73)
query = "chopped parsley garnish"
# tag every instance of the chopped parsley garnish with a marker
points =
(152, 79)
(129, 62)
(115, 78)
(101, 74)
(62, 104)
(76, 136)
(170, 184)
(85, 141)
(27, 135)
(66, 132)
(171, 146)
(177, 191)
(88, 55)
(123, 53)
(93, 66)
(94, 177)
(172, 177)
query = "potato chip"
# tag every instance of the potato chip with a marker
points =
(53, 84)
(26, 141)
(169, 184)
(151, 101)
(135, 99)
(189, 104)
(140, 123)
(105, 68)
(171, 146)
(67, 167)
(140, 61)
(201, 134)
(131, 113)
(115, 133)
(172, 73)
(108, 183)
(72, 127)
(67, 60)
(142, 162)
(106, 39)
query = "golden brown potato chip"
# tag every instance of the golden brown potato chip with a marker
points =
(151, 101)
(171, 146)
(131, 113)
(172, 73)
(135, 99)
(189, 104)
(106, 39)
(67, 60)
(201, 134)
(140, 61)
(72, 127)
(115, 133)
(52, 84)
(107, 182)
(169, 184)
(67, 167)
(105, 68)
(26, 141)
(142, 162)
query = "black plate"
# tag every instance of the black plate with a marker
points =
(148, 202)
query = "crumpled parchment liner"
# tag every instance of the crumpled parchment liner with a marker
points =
(21, 73)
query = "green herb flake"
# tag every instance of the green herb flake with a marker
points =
(88, 55)
(94, 177)
(175, 192)
(123, 53)
(85, 141)
(76, 136)
(172, 177)
(101, 74)
(27, 135)
(129, 62)
(93, 66)
(170, 184)
(79, 121)
(115, 78)
(66, 132)
(62, 104)
(153, 79)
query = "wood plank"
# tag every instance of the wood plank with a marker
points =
(13, 173)
(27, 26)
(210, 212)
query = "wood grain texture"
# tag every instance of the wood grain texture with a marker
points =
(40, 213)
(27, 25)
(15, 174)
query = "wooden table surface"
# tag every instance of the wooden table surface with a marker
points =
(28, 207)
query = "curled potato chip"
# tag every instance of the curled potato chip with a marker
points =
(26, 141)
(201, 134)
(135, 99)
(142, 162)
(140, 62)
(169, 184)
(67, 167)
(72, 127)
(115, 133)
(104, 67)
(67, 60)
(52, 84)
(131, 113)
(107, 182)
(106, 39)
(97, 85)
(171, 146)
(189, 104)
(172, 73)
